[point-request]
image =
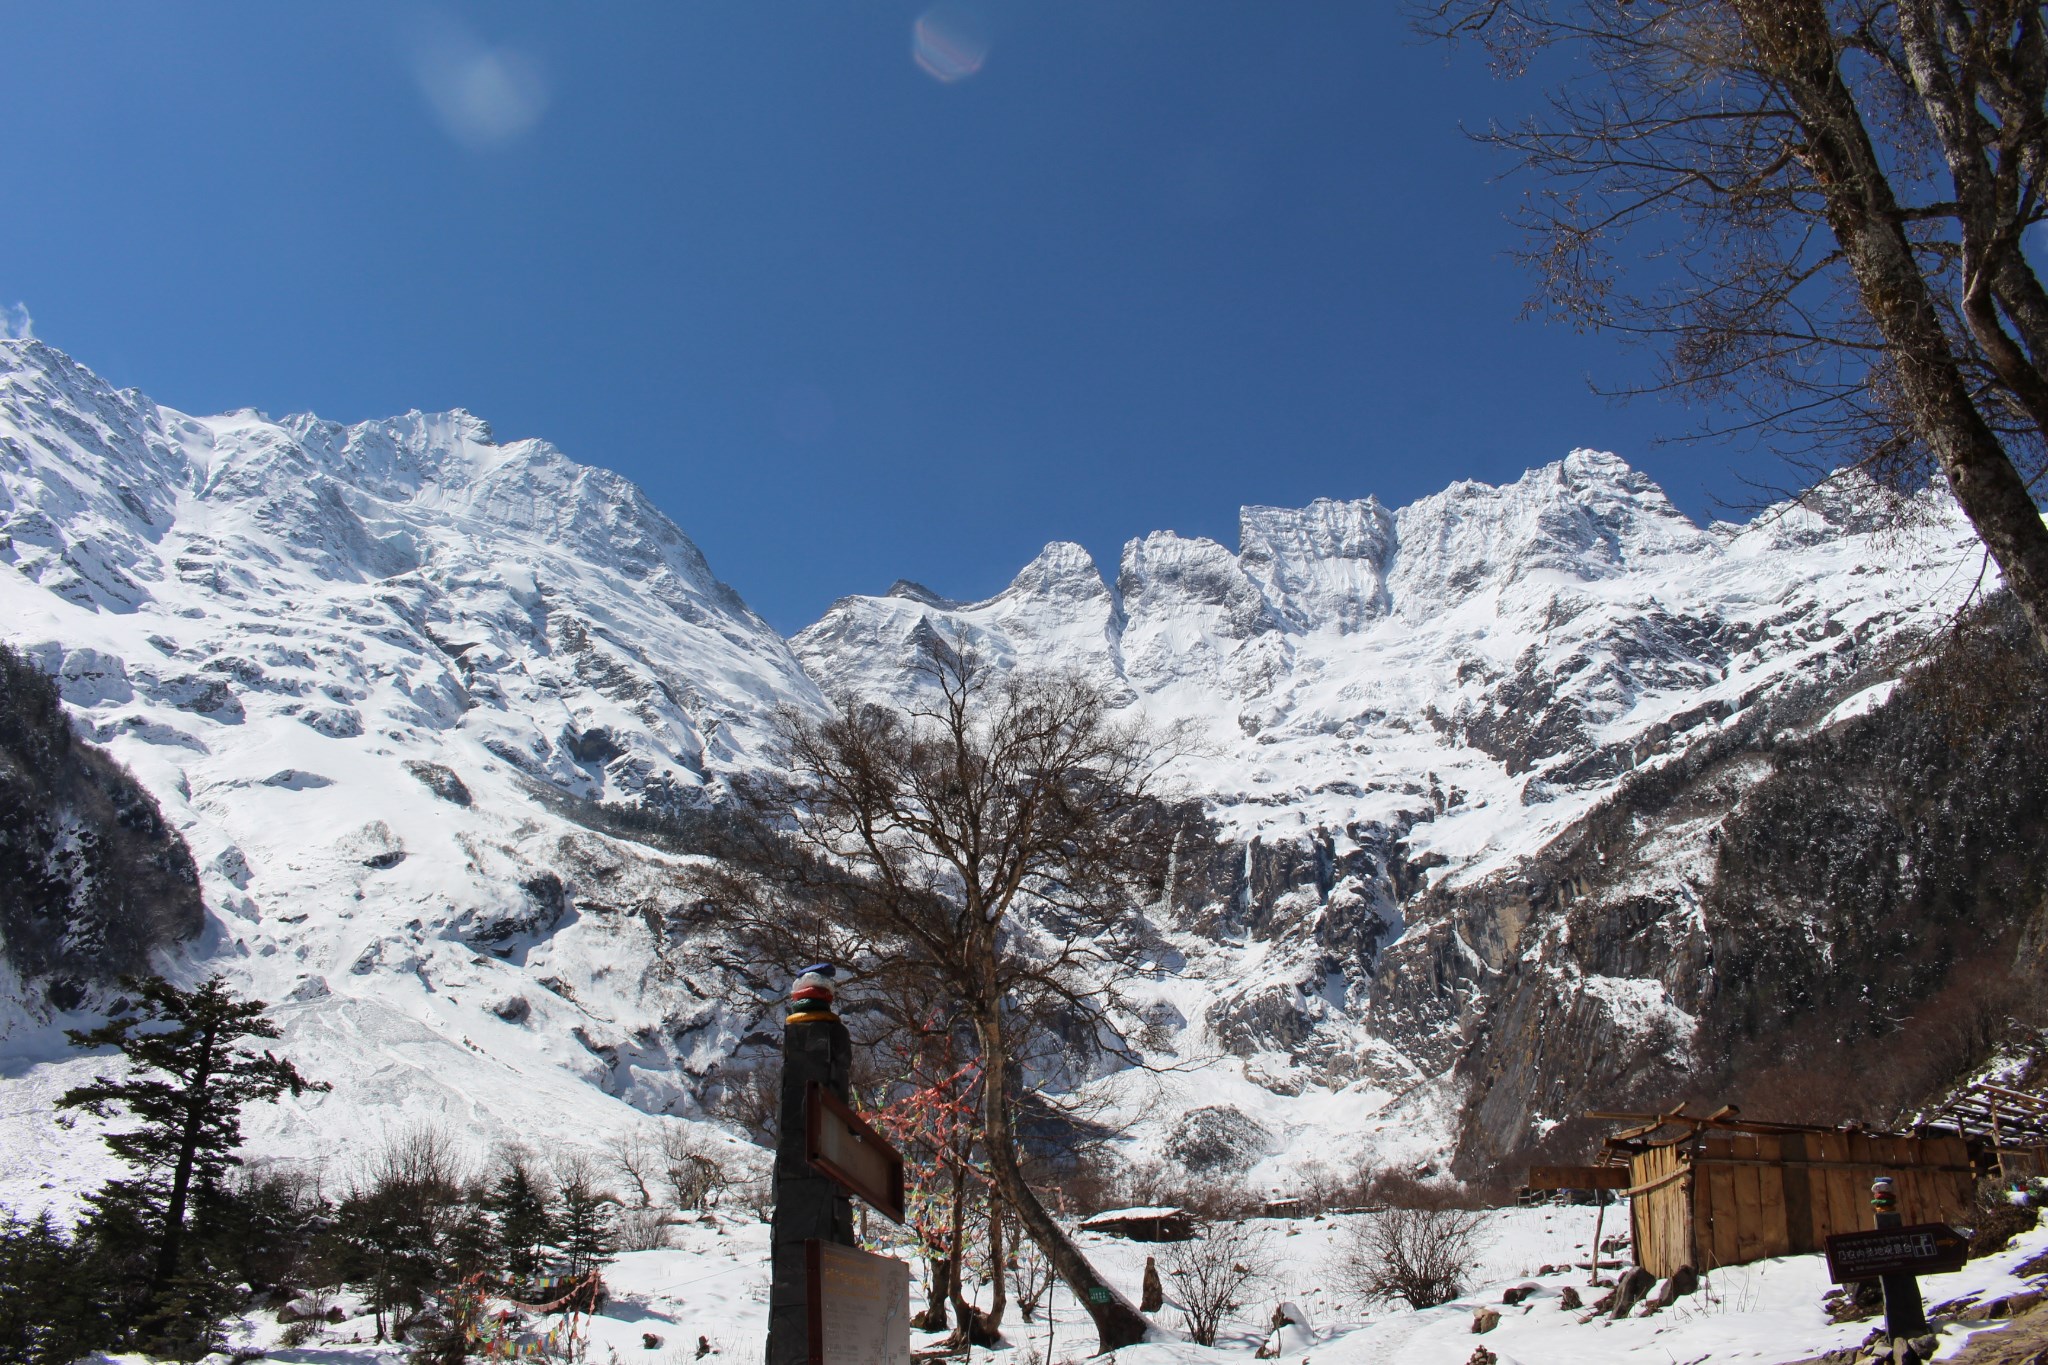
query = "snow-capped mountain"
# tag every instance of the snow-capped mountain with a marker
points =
(1483, 664)
(363, 670)
(385, 678)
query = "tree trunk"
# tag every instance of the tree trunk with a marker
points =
(181, 1177)
(1793, 38)
(1117, 1323)
(938, 1289)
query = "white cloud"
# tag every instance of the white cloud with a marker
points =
(482, 95)
(16, 324)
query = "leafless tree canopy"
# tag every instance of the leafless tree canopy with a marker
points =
(1420, 1253)
(976, 859)
(1214, 1275)
(1821, 212)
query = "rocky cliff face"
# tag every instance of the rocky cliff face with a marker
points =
(93, 881)
(1819, 914)
(1474, 773)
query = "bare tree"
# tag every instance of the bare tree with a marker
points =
(632, 1156)
(1214, 1274)
(690, 1164)
(1420, 1253)
(1829, 205)
(987, 846)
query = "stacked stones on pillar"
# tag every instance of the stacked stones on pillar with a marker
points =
(809, 1205)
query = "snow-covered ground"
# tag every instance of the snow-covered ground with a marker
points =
(713, 1285)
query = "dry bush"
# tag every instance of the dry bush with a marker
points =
(1996, 1220)
(1420, 1253)
(1214, 1275)
(642, 1229)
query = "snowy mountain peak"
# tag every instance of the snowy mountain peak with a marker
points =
(1062, 571)
(1587, 516)
(1324, 565)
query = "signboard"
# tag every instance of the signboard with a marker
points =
(859, 1304)
(1921, 1249)
(841, 1145)
(1578, 1177)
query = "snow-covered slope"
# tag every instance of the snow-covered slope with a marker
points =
(361, 668)
(380, 676)
(1393, 701)
(1488, 660)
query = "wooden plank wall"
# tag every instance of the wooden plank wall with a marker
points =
(1756, 1195)
(1660, 1220)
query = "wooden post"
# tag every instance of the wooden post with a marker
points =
(1904, 1315)
(809, 1205)
(1997, 1143)
(1599, 1216)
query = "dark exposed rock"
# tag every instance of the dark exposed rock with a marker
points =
(440, 780)
(1216, 1139)
(1741, 921)
(93, 880)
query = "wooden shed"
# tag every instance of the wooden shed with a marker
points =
(1720, 1190)
(1152, 1224)
(2011, 1124)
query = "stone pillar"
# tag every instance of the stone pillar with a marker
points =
(809, 1205)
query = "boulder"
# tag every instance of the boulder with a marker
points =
(1630, 1289)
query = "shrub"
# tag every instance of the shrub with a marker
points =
(640, 1229)
(1213, 1275)
(1419, 1252)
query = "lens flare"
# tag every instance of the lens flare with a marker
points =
(949, 42)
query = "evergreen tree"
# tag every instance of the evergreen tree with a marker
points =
(524, 1222)
(52, 1304)
(583, 1230)
(186, 1084)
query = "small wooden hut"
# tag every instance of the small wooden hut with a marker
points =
(2011, 1124)
(1158, 1224)
(1719, 1190)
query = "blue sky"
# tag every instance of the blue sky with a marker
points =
(856, 291)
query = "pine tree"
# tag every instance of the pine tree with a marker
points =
(584, 1228)
(186, 1085)
(52, 1308)
(525, 1224)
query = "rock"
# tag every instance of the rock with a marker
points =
(1485, 1319)
(1217, 1138)
(1518, 1293)
(440, 780)
(1154, 1296)
(651, 1340)
(1568, 1298)
(1604, 1303)
(512, 1009)
(1630, 1291)
(1684, 1280)
(1925, 1346)
(1482, 1356)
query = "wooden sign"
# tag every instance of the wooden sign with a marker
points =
(840, 1143)
(1921, 1249)
(859, 1306)
(1578, 1178)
